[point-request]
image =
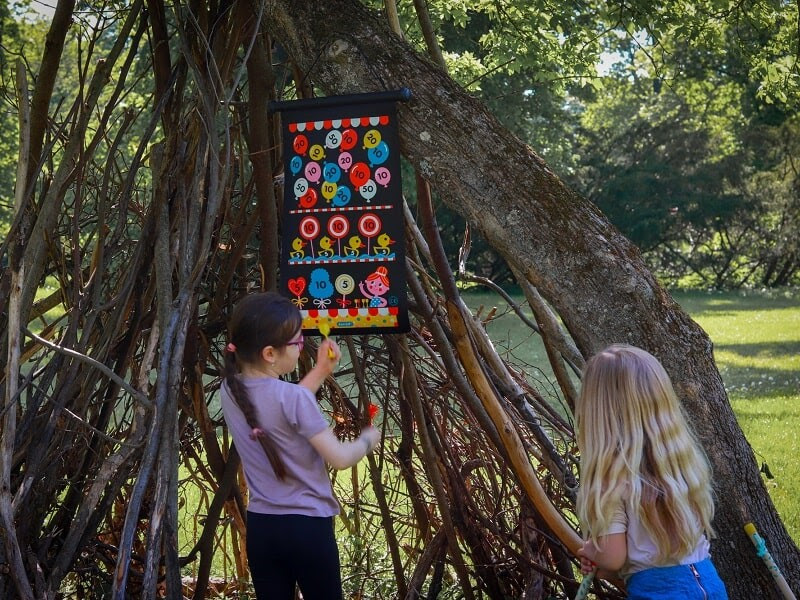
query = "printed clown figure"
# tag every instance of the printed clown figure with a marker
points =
(376, 284)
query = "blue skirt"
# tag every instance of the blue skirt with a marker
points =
(699, 581)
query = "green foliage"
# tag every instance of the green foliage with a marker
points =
(689, 156)
(677, 142)
(10, 43)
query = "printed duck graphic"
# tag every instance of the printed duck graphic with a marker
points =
(325, 248)
(382, 243)
(353, 246)
(298, 245)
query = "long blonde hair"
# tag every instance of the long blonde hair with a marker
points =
(636, 444)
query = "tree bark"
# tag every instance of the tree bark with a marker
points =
(592, 276)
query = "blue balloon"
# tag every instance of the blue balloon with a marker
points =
(378, 155)
(342, 197)
(331, 172)
(320, 285)
(296, 164)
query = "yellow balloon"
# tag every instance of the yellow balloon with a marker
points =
(329, 190)
(371, 139)
(316, 152)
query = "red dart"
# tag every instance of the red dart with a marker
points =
(372, 409)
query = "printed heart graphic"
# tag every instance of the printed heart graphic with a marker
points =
(297, 286)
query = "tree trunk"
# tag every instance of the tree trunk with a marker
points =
(592, 276)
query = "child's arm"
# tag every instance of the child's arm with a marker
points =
(323, 367)
(341, 455)
(609, 555)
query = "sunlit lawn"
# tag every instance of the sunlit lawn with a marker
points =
(757, 348)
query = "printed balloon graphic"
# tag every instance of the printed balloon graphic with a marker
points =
(297, 286)
(368, 190)
(313, 172)
(333, 140)
(309, 199)
(296, 164)
(342, 197)
(300, 187)
(345, 161)
(378, 155)
(300, 144)
(349, 139)
(344, 284)
(372, 138)
(359, 174)
(329, 190)
(331, 172)
(383, 176)
(317, 152)
(320, 287)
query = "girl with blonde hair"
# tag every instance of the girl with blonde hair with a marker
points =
(645, 501)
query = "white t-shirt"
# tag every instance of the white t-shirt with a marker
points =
(642, 550)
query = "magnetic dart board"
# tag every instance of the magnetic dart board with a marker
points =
(342, 240)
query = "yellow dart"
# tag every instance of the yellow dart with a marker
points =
(325, 329)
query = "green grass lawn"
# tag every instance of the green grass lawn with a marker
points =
(757, 349)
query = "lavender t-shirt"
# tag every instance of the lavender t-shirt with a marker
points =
(290, 415)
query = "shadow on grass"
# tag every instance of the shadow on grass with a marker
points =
(773, 350)
(719, 303)
(747, 374)
(784, 415)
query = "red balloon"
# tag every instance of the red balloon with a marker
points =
(359, 174)
(300, 144)
(308, 199)
(349, 139)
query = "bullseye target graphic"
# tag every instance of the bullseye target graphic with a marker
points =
(309, 228)
(338, 226)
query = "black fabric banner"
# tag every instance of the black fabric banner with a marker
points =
(343, 245)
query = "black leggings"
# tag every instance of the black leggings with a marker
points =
(284, 550)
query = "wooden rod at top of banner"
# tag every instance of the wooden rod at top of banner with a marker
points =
(401, 95)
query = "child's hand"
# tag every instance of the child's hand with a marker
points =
(372, 435)
(587, 566)
(608, 556)
(586, 553)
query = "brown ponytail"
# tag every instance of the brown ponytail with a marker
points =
(242, 398)
(258, 320)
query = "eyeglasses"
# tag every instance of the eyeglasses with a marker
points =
(298, 343)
